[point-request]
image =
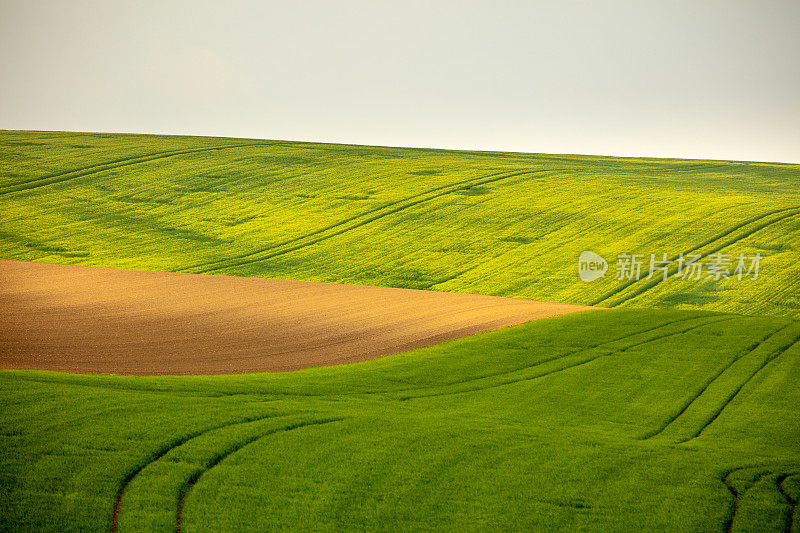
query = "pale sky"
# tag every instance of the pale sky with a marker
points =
(694, 78)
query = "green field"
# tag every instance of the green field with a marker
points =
(488, 223)
(677, 410)
(621, 420)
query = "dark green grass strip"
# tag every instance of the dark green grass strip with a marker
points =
(767, 360)
(708, 383)
(118, 163)
(377, 214)
(656, 279)
(222, 455)
(568, 367)
(161, 452)
(791, 501)
(545, 361)
(736, 495)
(780, 485)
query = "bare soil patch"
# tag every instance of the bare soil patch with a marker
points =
(99, 320)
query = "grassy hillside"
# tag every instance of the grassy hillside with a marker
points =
(681, 418)
(621, 420)
(490, 223)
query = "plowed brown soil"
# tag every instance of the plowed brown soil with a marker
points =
(82, 319)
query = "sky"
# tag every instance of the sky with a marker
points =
(697, 79)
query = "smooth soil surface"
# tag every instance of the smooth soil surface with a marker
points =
(99, 320)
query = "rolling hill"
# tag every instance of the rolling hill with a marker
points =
(604, 421)
(501, 224)
(674, 411)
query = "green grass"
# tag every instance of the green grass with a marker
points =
(623, 420)
(681, 417)
(479, 222)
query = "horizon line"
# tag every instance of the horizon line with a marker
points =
(434, 148)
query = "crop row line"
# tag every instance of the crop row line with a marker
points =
(110, 165)
(545, 361)
(349, 224)
(164, 450)
(646, 285)
(767, 360)
(567, 367)
(736, 495)
(780, 482)
(750, 349)
(218, 458)
(323, 229)
(552, 227)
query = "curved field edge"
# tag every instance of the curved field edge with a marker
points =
(549, 425)
(487, 223)
(155, 323)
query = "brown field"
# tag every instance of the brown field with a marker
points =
(81, 319)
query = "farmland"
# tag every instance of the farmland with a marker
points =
(500, 224)
(673, 410)
(86, 319)
(617, 420)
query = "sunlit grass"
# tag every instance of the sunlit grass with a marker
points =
(620, 420)
(489, 223)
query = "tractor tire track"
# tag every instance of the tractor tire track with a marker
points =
(790, 500)
(728, 526)
(119, 163)
(725, 319)
(329, 227)
(762, 472)
(111, 162)
(561, 369)
(482, 262)
(656, 280)
(221, 456)
(354, 223)
(744, 353)
(545, 361)
(161, 452)
(767, 360)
